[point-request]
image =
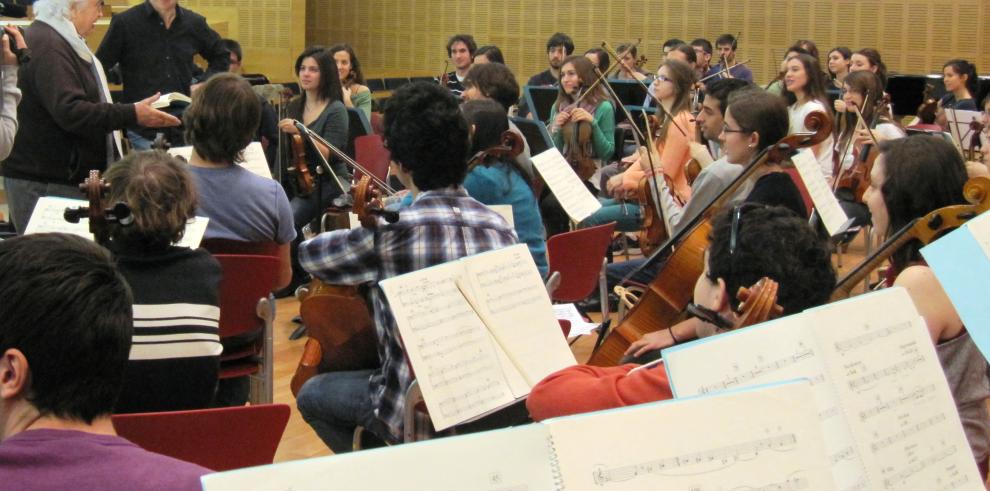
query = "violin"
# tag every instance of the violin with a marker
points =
(664, 301)
(300, 168)
(857, 177)
(975, 143)
(444, 78)
(100, 218)
(929, 105)
(924, 229)
(339, 325)
(655, 227)
(509, 147)
(579, 149)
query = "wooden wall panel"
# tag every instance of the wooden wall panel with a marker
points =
(408, 36)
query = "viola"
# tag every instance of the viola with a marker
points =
(655, 227)
(100, 218)
(340, 327)
(300, 168)
(579, 148)
(666, 297)
(924, 229)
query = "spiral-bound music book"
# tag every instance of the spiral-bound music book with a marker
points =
(762, 438)
(883, 401)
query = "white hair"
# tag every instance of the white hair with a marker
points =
(48, 9)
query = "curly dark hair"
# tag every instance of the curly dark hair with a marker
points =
(776, 243)
(921, 174)
(427, 135)
(561, 39)
(495, 81)
(492, 52)
(161, 194)
(223, 99)
(468, 41)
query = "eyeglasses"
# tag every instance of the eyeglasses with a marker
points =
(737, 213)
(726, 129)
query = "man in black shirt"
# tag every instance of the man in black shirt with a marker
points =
(460, 49)
(154, 44)
(559, 46)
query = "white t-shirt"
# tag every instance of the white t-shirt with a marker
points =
(824, 151)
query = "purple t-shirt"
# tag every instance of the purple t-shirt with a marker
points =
(65, 459)
(242, 205)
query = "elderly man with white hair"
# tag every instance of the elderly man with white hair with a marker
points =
(67, 120)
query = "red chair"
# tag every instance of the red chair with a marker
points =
(218, 439)
(247, 311)
(228, 246)
(577, 264)
(370, 151)
(809, 205)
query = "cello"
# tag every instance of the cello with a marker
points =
(924, 229)
(664, 301)
(100, 218)
(337, 318)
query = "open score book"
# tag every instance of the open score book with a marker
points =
(479, 332)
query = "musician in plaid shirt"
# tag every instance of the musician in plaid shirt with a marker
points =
(428, 139)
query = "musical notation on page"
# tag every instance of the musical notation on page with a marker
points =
(566, 186)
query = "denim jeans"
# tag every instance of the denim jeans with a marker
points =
(625, 214)
(138, 142)
(335, 403)
(23, 194)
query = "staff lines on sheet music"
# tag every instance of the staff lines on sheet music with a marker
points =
(846, 453)
(428, 354)
(865, 339)
(758, 370)
(726, 456)
(790, 484)
(454, 309)
(886, 372)
(471, 399)
(956, 484)
(917, 467)
(895, 402)
(445, 380)
(907, 432)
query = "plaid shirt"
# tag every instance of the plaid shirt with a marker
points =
(440, 226)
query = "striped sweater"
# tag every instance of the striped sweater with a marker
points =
(175, 350)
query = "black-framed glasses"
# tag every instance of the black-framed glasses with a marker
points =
(737, 212)
(726, 129)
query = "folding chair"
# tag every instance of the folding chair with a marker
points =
(357, 125)
(370, 151)
(577, 258)
(218, 439)
(247, 313)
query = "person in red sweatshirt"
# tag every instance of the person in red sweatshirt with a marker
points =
(747, 242)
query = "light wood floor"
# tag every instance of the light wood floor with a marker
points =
(299, 440)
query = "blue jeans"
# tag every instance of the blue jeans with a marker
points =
(625, 214)
(138, 142)
(335, 403)
(23, 194)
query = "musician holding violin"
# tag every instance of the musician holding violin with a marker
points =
(582, 128)
(912, 177)
(748, 242)
(355, 93)
(428, 138)
(629, 64)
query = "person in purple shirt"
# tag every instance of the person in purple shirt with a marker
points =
(65, 333)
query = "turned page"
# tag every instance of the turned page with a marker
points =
(566, 186)
(508, 293)
(762, 438)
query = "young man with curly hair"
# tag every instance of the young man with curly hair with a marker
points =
(428, 140)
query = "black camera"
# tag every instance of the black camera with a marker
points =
(23, 54)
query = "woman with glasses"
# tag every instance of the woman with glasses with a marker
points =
(804, 91)
(770, 241)
(912, 177)
(672, 88)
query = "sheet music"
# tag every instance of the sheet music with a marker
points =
(515, 459)
(961, 262)
(448, 344)
(766, 438)
(569, 312)
(254, 158)
(890, 421)
(835, 219)
(572, 194)
(508, 293)
(48, 216)
(958, 121)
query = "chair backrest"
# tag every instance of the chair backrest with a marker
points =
(370, 151)
(578, 257)
(229, 246)
(246, 279)
(219, 439)
(357, 125)
(805, 195)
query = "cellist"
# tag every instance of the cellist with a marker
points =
(428, 139)
(770, 241)
(910, 178)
